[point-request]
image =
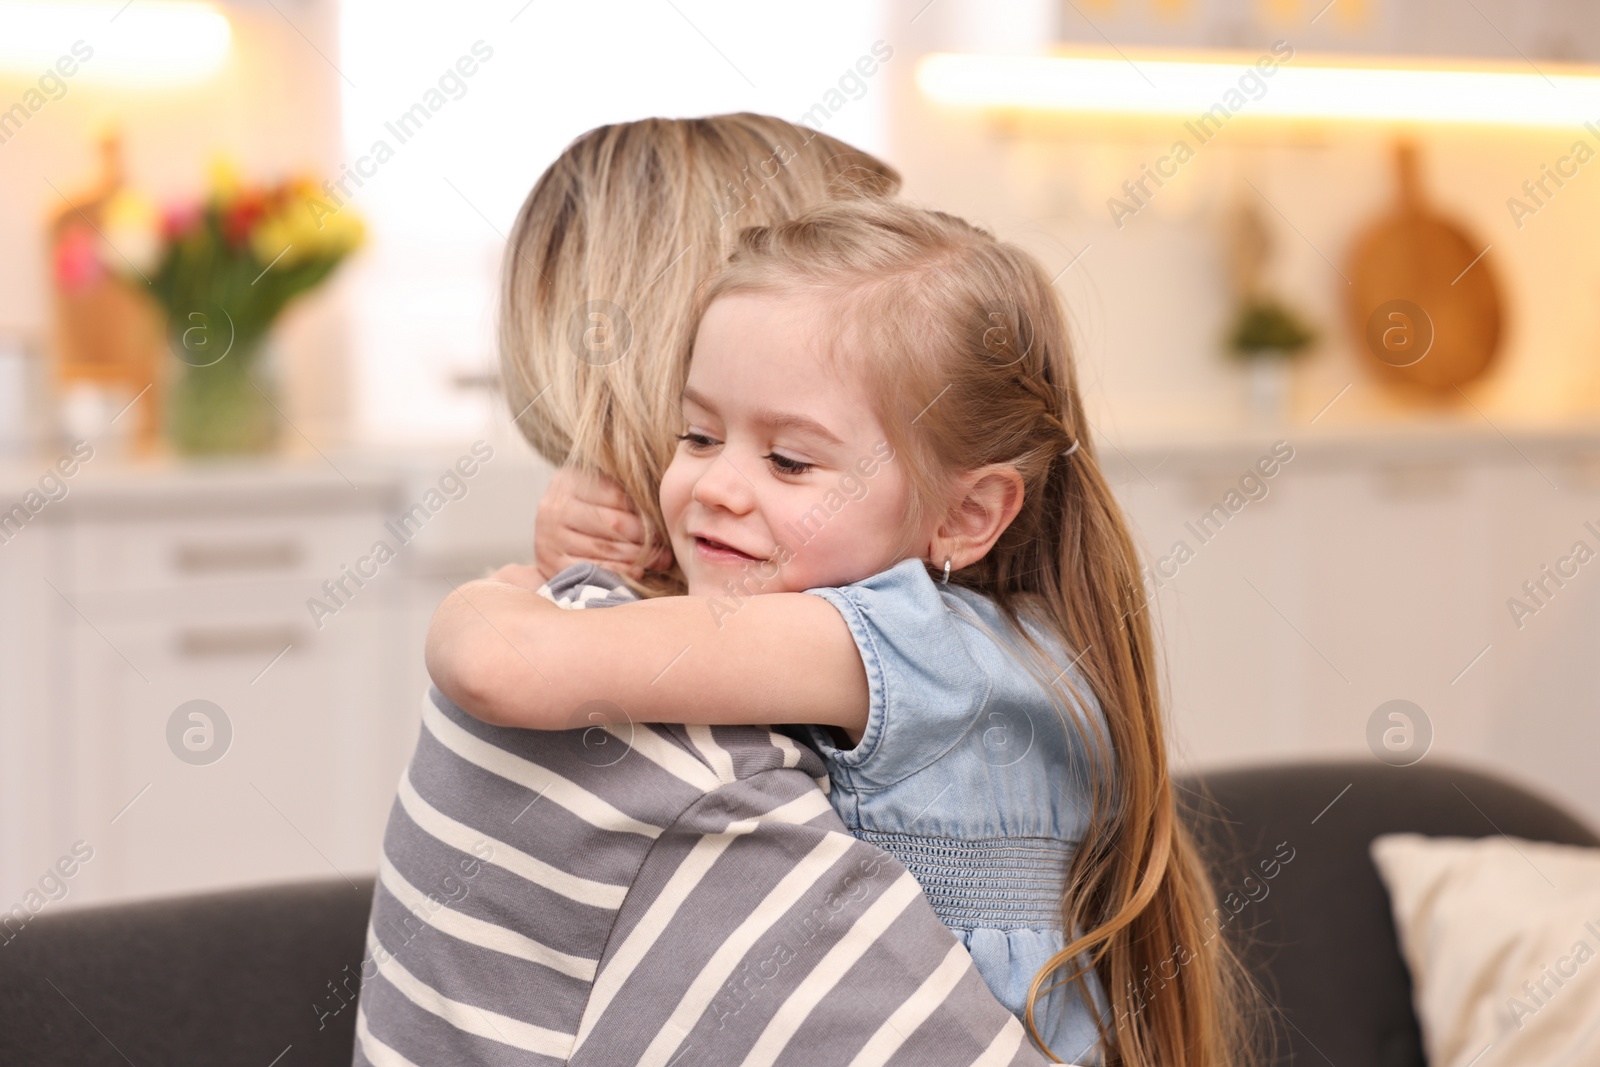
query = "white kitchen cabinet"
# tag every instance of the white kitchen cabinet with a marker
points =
(148, 587)
(1545, 679)
(150, 591)
(1379, 568)
(298, 792)
(31, 616)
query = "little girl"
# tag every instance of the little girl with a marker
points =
(893, 528)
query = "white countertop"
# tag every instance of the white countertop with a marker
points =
(488, 517)
(397, 475)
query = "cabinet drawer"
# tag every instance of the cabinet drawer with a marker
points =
(315, 736)
(171, 555)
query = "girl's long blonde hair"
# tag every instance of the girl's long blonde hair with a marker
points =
(601, 269)
(965, 348)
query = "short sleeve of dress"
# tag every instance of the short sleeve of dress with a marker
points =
(927, 689)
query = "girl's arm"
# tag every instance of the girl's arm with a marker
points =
(512, 658)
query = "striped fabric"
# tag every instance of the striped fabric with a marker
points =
(654, 895)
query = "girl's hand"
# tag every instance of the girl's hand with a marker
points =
(586, 518)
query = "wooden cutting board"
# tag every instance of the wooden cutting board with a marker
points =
(1425, 305)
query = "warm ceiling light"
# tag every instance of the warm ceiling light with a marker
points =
(145, 42)
(1289, 88)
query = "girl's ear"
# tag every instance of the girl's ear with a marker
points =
(986, 501)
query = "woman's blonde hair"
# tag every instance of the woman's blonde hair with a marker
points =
(601, 269)
(964, 348)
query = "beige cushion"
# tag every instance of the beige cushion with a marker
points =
(1502, 937)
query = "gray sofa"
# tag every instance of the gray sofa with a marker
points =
(267, 977)
(1321, 943)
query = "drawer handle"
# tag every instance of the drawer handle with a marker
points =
(257, 556)
(1418, 481)
(217, 641)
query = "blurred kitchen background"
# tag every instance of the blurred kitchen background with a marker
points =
(1369, 269)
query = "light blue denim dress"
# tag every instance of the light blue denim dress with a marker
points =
(970, 776)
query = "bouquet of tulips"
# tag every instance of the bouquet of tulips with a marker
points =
(246, 251)
(222, 269)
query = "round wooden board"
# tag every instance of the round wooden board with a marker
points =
(1424, 305)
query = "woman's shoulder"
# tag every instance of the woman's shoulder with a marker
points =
(587, 585)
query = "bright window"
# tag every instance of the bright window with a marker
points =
(446, 183)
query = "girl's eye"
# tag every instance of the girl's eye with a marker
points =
(697, 441)
(785, 465)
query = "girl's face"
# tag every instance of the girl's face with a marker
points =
(783, 480)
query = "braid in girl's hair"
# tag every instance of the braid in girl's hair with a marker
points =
(965, 347)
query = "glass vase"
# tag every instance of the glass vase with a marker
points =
(226, 407)
(1268, 374)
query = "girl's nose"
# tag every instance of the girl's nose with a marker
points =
(721, 485)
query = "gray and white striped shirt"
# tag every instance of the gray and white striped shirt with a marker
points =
(654, 895)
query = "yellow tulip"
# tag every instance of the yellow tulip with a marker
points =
(224, 174)
(130, 225)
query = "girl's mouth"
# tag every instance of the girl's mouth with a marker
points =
(717, 552)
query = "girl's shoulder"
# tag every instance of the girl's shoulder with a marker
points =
(905, 609)
(943, 667)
